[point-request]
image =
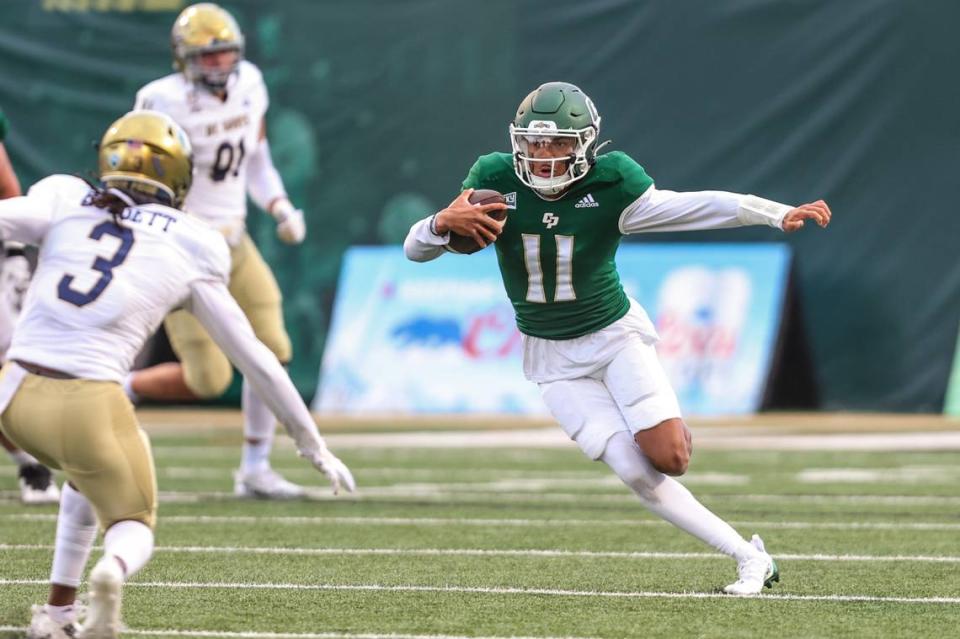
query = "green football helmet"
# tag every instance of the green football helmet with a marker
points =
(561, 116)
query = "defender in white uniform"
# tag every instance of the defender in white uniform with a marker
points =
(114, 260)
(220, 100)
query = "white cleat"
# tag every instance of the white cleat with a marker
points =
(265, 484)
(103, 618)
(42, 626)
(754, 573)
(37, 485)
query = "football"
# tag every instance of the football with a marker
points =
(464, 244)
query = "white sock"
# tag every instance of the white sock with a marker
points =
(127, 385)
(669, 499)
(131, 542)
(259, 424)
(22, 458)
(62, 615)
(76, 532)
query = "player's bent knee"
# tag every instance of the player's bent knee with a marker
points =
(267, 322)
(148, 519)
(208, 382)
(673, 462)
(666, 446)
(282, 348)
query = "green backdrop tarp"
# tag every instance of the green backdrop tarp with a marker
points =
(380, 106)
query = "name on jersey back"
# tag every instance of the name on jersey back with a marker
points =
(157, 219)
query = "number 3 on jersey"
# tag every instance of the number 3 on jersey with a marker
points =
(531, 257)
(105, 266)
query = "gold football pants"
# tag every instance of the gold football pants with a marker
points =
(206, 369)
(87, 429)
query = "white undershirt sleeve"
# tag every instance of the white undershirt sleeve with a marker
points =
(659, 211)
(212, 304)
(263, 180)
(26, 218)
(422, 244)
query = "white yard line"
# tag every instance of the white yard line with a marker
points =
(552, 437)
(912, 474)
(484, 552)
(291, 635)
(485, 494)
(511, 523)
(531, 484)
(303, 472)
(507, 591)
(481, 493)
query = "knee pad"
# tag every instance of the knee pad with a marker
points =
(208, 378)
(640, 387)
(585, 412)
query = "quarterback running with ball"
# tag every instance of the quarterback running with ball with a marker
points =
(588, 346)
(221, 101)
(115, 258)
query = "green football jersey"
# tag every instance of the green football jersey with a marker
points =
(4, 126)
(557, 257)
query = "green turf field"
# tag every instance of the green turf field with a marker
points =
(524, 542)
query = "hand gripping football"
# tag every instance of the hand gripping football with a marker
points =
(465, 244)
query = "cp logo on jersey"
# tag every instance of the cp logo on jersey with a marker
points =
(550, 220)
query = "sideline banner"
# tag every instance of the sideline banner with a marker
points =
(951, 405)
(440, 337)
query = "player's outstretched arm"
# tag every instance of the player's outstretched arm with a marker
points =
(817, 211)
(212, 304)
(660, 210)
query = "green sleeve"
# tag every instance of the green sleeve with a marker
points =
(472, 181)
(490, 172)
(635, 179)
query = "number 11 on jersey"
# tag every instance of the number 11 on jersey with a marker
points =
(531, 257)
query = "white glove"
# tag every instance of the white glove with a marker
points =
(335, 470)
(14, 282)
(291, 228)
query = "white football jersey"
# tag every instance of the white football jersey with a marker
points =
(100, 291)
(223, 134)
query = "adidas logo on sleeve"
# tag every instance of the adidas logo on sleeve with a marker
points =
(586, 202)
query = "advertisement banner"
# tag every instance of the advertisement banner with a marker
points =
(952, 404)
(439, 337)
